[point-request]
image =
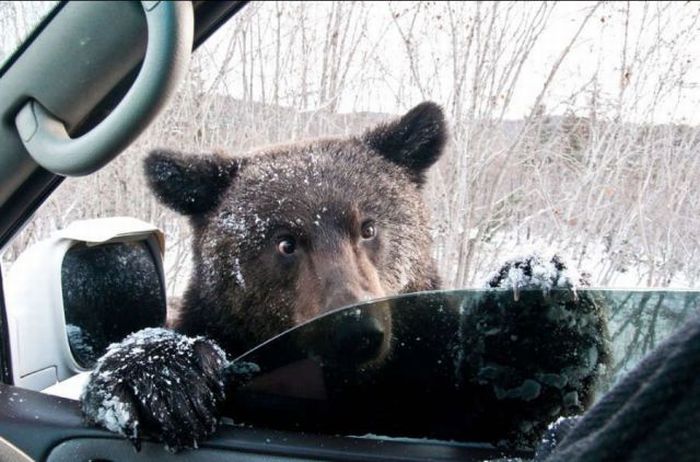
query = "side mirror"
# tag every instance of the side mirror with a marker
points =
(68, 297)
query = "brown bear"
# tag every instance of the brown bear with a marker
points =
(290, 232)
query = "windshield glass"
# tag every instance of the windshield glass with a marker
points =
(469, 365)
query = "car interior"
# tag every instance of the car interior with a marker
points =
(119, 64)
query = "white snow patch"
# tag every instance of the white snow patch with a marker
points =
(543, 274)
(114, 415)
(70, 388)
(237, 274)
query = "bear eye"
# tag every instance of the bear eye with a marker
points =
(368, 230)
(286, 246)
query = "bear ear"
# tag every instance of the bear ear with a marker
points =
(189, 184)
(415, 141)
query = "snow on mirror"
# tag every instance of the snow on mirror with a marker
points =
(470, 366)
(109, 291)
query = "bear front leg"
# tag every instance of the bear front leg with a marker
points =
(160, 383)
(535, 351)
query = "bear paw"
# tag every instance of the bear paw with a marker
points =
(540, 358)
(536, 272)
(160, 383)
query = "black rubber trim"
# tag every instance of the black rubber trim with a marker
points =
(210, 16)
(5, 359)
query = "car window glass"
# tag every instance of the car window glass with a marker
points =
(309, 379)
(17, 21)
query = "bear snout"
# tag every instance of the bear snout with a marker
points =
(334, 278)
(343, 295)
(353, 338)
(346, 277)
(359, 338)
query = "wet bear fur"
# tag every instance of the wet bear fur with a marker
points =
(290, 232)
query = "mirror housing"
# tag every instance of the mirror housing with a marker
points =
(69, 296)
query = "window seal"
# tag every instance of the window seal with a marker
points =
(5, 358)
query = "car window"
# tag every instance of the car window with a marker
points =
(307, 379)
(17, 21)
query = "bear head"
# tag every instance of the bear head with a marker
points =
(289, 232)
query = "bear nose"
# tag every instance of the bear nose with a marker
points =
(359, 338)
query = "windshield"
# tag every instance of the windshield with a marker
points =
(452, 360)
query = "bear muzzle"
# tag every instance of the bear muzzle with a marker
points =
(360, 338)
(345, 277)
